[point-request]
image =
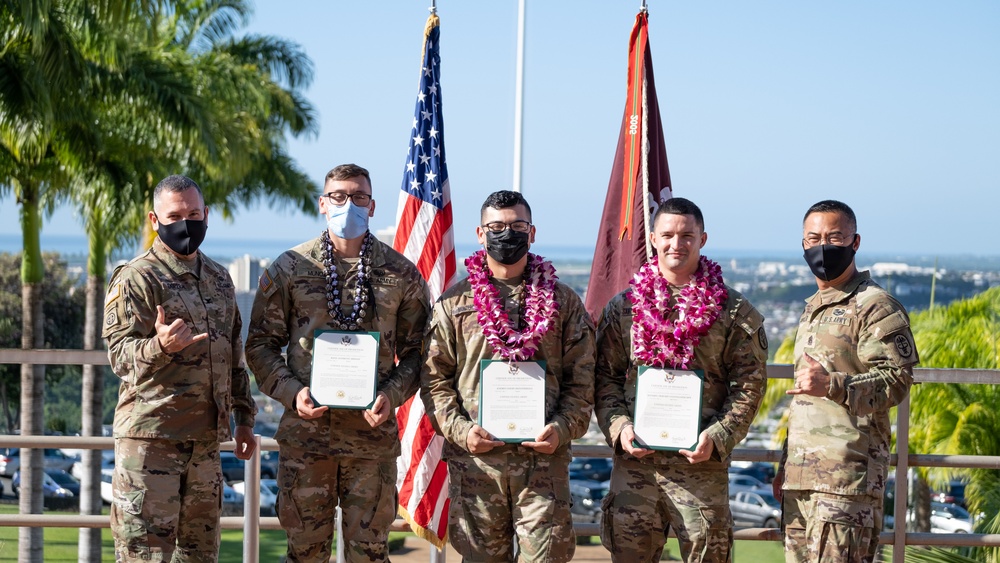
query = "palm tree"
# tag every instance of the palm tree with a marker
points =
(961, 419)
(238, 136)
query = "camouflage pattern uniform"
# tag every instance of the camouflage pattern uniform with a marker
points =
(649, 495)
(837, 454)
(337, 456)
(173, 409)
(510, 491)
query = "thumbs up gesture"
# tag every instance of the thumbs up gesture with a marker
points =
(175, 336)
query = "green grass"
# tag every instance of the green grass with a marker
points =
(744, 551)
(61, 543)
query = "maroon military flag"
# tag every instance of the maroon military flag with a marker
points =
(640, 180)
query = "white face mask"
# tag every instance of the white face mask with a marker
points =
(347, 221)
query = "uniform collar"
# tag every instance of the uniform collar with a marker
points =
(838, 294)
(177, 266)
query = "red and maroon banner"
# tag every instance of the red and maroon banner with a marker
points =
(640, 166)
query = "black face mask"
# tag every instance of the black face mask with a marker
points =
(507, 247)
(829, 261)
(183, 237)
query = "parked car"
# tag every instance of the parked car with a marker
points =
(590, 468)
(755, 509)
(54, 493)
(955, 494)
(950, 518)
(763, 472)
(107, 493)
(269, 465)
(268, 495)
(232, 502)
(738, 482)
(232, 467)
(587, 496)
(10, 460)
(107, 462)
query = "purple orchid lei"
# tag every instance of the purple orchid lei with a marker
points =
(659, 341)
(540, 307)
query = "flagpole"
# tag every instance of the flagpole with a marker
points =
(519, 96)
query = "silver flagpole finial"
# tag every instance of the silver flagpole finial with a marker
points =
(643, 8)
(433, 9)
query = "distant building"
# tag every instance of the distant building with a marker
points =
(245, 272)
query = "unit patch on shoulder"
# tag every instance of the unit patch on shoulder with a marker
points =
(903, 345)
(265, 282)
(762, 338)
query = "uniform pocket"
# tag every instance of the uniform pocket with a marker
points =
(716, 517)
(844, 512)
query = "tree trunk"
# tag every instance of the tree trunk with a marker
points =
(32, 376)
(32, 409)
(92, 406)
(7, 419)
(921, 505)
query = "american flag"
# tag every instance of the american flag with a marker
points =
(424, 235)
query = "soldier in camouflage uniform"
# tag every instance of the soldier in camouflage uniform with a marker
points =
(503, 491)
(343, 280)
(688, 490)
(854, 357)
(173, 335)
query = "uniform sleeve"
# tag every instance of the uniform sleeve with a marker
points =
(244, 407)
(576, 389)
(437, 379)
(745, 361)
(130, 327)
(886, 347)
(411, 323)
(268, 335)
(610, 373)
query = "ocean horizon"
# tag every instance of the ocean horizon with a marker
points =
(222, 250)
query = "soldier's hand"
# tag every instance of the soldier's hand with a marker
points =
(626, 438)
(479, 441)
(546, 442)
(175, 336)
(379, 412)
(305, 406)
(811, 379)
(245, 442)
(779, 480)
(702, 451)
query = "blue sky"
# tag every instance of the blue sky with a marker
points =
(768, 107)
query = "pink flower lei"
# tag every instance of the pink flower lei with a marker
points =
(659, 341)
(540, 307)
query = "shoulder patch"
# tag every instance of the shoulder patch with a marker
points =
(265, 282)
(903, 345)
(114, 292)
(762, 338)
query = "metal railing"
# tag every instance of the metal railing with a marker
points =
(251, 522)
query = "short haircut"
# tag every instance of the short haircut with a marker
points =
(834, 206)
(504, 199)
(346, 172)
(680, 206)
(176, 184)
